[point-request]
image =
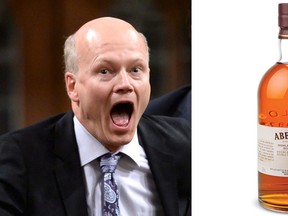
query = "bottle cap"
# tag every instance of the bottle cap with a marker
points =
(283, 20)
(283, 15)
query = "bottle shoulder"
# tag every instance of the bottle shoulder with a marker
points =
(276, 72)
(275, 81)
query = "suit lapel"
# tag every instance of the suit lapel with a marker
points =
(68, 170)
(163, 169)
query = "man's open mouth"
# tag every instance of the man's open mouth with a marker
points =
(121, 114)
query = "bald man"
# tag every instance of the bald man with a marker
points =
(53, 166)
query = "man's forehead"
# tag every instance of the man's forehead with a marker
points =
(92, 39)
(95, 34)
(106, 52)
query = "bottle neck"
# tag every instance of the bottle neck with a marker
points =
(283, 51)
(283, 44)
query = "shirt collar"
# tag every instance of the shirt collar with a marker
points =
(90, 148)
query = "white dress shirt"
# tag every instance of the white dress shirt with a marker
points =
(137, 191)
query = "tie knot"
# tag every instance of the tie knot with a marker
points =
(108, 163)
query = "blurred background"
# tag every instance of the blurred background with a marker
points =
(32, 35)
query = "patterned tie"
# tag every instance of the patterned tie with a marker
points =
(108, 164)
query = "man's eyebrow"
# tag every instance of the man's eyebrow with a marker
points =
(111, 60)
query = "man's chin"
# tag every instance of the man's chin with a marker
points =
(118, 141)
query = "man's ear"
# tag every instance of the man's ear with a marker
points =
(70, 81)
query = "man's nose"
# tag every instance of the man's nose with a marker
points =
(123, 82)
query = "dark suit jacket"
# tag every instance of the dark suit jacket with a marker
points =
(40, 172)
(176, 104)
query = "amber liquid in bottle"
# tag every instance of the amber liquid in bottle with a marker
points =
(273, 112)
(273, 126)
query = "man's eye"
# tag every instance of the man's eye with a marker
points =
(135, 70)
(104, 71)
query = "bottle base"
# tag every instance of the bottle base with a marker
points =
(275, 202)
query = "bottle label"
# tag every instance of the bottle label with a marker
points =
(273, 150)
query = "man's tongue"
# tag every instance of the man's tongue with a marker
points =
(120, 118)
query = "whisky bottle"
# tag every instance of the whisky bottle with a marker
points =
(273, 126)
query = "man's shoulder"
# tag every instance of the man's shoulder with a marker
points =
(165, 122)
(165, 126)
(39, 129)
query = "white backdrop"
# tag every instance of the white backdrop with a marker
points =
(233, 44)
